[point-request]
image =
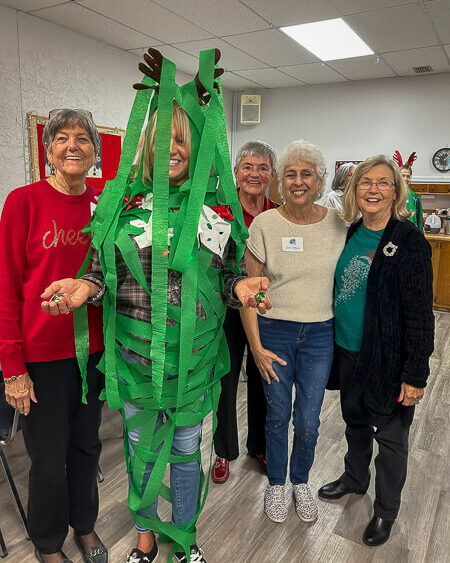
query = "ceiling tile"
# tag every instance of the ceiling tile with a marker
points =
(149, 18)
(313, 73)
(269, 77)
(273, 47)
(358, 6)
(362, 68)
(87, 22)
(231, 59)
(236, 83)
(30, 5)
(216, 16)
(439, 11)
(294, 12)
(394, 29)
(402, 61)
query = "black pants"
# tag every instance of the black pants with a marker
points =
(362, 427)
(61, 437)
(226, 441)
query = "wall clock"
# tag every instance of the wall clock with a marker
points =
(441, 160)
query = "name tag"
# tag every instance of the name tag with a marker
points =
(292, 244)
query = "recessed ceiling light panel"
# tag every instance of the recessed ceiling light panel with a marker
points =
(329, 40)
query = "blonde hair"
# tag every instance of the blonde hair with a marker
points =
(180, 121)
(301, 150)
(350, 207)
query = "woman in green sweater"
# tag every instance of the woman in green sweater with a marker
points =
(384, 337)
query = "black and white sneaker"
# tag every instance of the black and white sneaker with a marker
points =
(196, 555)
(138, 556)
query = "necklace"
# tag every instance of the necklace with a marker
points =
(52, 181)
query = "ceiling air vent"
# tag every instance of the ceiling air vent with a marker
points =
(422, 69)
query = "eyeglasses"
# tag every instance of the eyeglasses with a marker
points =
(55, 112)
(380, 184)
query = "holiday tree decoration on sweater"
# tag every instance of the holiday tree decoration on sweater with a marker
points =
(186, 226)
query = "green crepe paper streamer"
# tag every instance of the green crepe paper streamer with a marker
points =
(187, 360)
(160, 224)
(81, 333)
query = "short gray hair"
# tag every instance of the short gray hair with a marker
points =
(301, 150)
(65, 117)
(258, 149)
(341, 174)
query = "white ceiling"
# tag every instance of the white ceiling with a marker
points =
(254, 52)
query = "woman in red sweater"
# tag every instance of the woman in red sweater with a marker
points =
(41, 239)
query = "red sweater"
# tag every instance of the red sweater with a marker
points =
(248, 217)
(40, 242)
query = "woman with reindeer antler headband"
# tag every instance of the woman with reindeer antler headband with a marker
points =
(414, 203)
(168, 238)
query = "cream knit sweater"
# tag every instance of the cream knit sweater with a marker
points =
(301, 271)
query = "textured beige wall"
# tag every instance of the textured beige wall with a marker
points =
(45, 66)
(11, 131)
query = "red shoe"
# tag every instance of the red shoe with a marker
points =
(262, 461)
(221, 470)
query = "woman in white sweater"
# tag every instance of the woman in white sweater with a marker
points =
(333, 198)
(297, 247)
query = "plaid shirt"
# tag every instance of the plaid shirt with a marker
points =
(134, 302)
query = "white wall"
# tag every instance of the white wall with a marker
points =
(351, 121)
(45, 66)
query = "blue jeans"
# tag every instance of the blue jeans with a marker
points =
(184, 477)
(307, 349)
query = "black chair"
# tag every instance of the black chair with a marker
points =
(9, 426)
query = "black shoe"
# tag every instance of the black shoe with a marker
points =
(377, 532)
(138, 556)
(337, 489)
(196, 555)
(64, 559)
(96, 554)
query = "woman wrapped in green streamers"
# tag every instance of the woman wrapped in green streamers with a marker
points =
(168, 245)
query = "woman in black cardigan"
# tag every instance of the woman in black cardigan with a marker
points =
(384, 337)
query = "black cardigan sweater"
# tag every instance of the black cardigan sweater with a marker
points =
(398, 337)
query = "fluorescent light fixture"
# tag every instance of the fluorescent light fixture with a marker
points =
(329, 40)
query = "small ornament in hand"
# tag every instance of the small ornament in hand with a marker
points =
(260, 296)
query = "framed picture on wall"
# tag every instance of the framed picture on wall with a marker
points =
(341, 162)
(103, 170)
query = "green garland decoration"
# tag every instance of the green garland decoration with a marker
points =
(188, 359)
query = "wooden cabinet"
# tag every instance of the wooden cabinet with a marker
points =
(439, 188)
(441, 271)
(420, 188)
(431, 188)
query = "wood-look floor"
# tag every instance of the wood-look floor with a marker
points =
(233, 527)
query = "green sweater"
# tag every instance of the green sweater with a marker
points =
(414, 205)
(350, 289)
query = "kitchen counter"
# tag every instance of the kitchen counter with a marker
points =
(437, 237)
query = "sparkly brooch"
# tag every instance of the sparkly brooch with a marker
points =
(390, 249)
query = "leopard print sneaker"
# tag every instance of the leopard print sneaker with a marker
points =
(275, 503)
(305, 503)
